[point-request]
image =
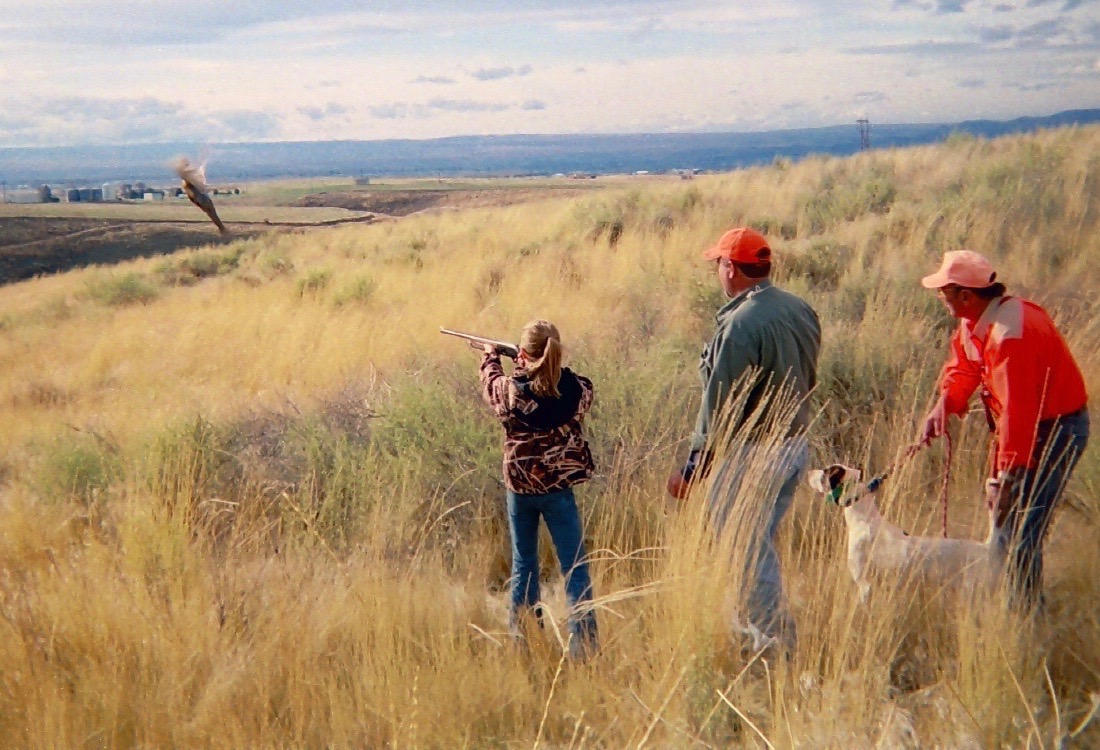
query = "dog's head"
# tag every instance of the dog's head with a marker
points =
(838, 483)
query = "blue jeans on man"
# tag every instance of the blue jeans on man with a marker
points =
(559, 510)
(762, 585)
(1059, 444)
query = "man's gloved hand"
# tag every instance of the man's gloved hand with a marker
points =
(679, 481)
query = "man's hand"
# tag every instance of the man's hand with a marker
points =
(935, 424)
(1001, 494)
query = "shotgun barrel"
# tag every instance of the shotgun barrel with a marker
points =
(479, 342)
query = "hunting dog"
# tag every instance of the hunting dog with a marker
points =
(874, 544)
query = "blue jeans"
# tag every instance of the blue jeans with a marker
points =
(1059, 444)
(762, 584)
(559, 510)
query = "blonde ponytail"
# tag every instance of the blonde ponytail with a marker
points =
(542, 343)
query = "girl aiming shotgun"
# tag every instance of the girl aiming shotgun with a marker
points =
(541, 407)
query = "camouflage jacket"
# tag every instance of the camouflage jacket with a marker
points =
(544, 445)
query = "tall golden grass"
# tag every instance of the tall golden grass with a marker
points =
(251, 498)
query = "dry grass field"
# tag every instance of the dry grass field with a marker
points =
(37, 239)
(249, 496)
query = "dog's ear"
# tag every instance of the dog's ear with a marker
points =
(816, 478)
(836, 475)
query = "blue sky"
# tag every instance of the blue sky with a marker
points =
(102, 71)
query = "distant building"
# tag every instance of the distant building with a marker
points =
(27, 195)
(83, 195)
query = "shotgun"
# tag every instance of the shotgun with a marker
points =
(479, 342)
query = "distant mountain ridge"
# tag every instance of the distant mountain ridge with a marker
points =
(494, 155)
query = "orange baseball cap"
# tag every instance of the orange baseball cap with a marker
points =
(741, 245)
(962, 268)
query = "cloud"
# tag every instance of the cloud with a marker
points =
(442, 80)
(1029, 87)
(971, 83)
(993, 34)
(466, 105)
(143, 108)
(1067, 5)
(332, 109)
(869, 97)
(390, 111)
(1040, 33)
(929, 47)
(161, 24)
(243, 125)
(90, 120)
(437, 106)
(916, 4)
(495, 74)
(950, 6)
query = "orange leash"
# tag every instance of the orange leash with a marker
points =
(911, 451)
(946, 481)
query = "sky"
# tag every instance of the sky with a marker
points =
(79, 72)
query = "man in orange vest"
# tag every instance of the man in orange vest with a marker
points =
(1034, 397)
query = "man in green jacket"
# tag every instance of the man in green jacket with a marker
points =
(757, 373)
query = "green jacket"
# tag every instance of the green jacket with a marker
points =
(766, 338)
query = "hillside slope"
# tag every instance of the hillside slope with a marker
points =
(251, 497)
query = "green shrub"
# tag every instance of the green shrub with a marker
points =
(788, 230)
(314, 282)
(77, 468)
(198, 266)
(846, 197)
(122, 290)
(822, 265)
(359, 291)
(271, 261)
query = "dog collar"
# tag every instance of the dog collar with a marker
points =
(834, 494)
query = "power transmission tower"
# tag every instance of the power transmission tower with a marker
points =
(864, 133)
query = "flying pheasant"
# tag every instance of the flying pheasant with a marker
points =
(195, 187)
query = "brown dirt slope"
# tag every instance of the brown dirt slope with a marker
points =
(405, 202)
(33, 246)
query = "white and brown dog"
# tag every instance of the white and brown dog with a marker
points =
(874, 544)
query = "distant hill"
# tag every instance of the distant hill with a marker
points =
(490, 155)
